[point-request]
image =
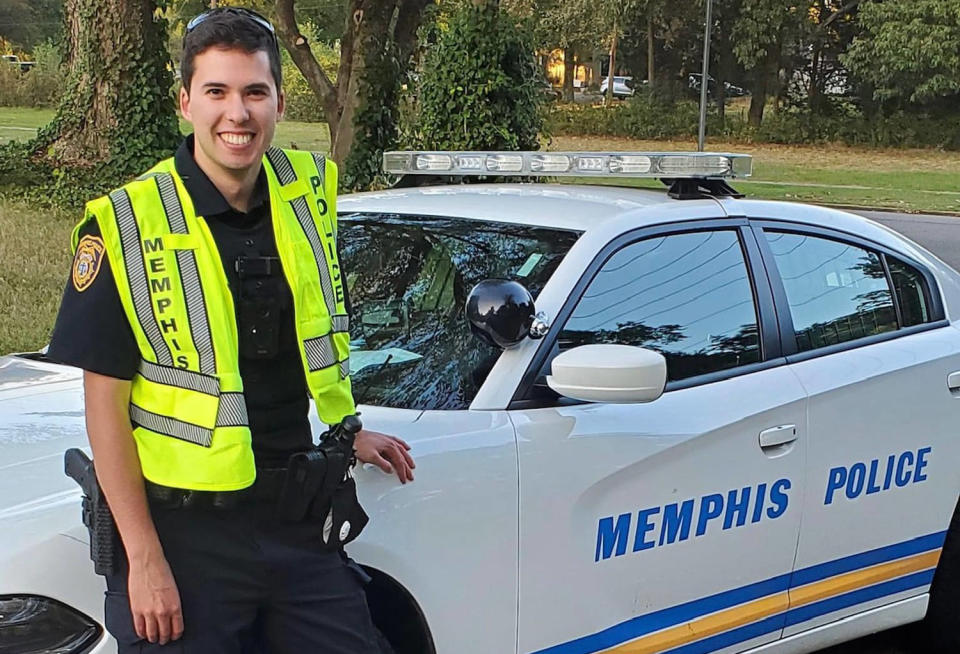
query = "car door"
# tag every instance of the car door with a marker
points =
(663, 526)
(865, 333)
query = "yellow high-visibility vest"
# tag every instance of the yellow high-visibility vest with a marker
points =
(186, 399)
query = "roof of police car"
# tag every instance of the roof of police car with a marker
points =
(564, 206)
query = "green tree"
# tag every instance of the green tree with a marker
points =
(909, 50)
(765, 30)
(480, 86)
(378, 39)
(832, 28)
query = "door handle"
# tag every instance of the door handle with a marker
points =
(953, 382)
(776, 436)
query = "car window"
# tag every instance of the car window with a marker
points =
(912, 292)
(688, 296)
(837, 292)
(407, 280)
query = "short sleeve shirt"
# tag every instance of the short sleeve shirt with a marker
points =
(92, 331)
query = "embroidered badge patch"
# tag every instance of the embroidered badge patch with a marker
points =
(86, 262)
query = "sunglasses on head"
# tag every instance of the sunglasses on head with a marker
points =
(239, 11)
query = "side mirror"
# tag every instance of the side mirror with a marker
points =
(609, 373)
(500, 312)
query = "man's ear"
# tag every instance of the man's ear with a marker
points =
(281, 104)
(185, 103)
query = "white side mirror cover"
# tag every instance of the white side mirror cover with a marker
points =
(609, 373)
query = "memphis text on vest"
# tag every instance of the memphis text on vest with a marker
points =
(186, 400)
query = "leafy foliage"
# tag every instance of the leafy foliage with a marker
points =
(480, 87)
(376, 120)
(909, 49)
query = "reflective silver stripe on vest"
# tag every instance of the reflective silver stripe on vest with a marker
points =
(137, 274)
(189, 276)
(345, 368)
(284, 169)
(232, 411)
(185, 431)
(321, 163)
(281, 165)
(320, 353)
(188, 379)
(341, 323)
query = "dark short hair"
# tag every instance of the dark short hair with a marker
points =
(223, 28)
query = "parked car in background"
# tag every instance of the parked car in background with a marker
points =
(622, 86)
(729, 90)
(14, 60)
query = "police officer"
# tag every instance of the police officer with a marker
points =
(204, 305)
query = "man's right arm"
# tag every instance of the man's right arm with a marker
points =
(154, 598)
(92, 333)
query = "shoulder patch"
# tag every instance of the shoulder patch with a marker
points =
(87, 262)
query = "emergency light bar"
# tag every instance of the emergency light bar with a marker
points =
(673, 165)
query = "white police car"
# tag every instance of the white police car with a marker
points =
(732, 427)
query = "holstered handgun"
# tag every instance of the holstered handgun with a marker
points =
(104, 540)
(319, 485)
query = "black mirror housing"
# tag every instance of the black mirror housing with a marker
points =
(500, 312)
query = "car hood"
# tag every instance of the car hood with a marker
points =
(41, 416)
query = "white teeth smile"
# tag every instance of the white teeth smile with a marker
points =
(236, 139)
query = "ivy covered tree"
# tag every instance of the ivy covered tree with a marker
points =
(481, 88)
(116, 117)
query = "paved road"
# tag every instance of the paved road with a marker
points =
(940, 235)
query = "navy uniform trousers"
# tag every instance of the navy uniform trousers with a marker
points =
(251, 584)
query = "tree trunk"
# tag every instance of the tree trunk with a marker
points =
(299, 49)
(116, 51)
(766, 78)
(374, 29)
(813, 93)
(650, 68)
(613, 62)
(569, 70)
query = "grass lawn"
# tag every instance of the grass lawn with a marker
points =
(905, 180)
(35, 250)
(18, 124)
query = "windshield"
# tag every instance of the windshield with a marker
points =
(408, 278)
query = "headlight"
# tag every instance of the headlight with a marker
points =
(39, 625)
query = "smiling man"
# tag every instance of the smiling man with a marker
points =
(205, 305)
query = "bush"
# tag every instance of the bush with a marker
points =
(480, 85)
(647, 117)
(38, 87)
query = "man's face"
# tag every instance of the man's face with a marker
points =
(234, 106)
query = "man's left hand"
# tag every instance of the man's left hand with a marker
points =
(388, 453)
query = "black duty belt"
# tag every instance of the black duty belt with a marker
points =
(266, 488)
